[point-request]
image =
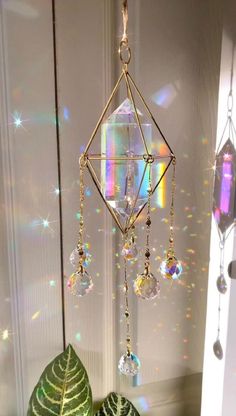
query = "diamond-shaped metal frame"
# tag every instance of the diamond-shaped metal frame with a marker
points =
(146, 157)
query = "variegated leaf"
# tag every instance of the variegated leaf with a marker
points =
(116, 405)
(63, 388)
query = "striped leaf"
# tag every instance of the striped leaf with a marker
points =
(63, 389)
(116, 405)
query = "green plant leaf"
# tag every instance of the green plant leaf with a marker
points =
(116, 405)
(63, 389)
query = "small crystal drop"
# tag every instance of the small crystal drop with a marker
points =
(130, 251)
(218, 350)
(146, 286)
(171, 268)
(75, 257)
(129, 364)
(221, 284)
(80, 283)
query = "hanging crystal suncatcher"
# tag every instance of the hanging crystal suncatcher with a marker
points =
(127, 158)
(224, 205)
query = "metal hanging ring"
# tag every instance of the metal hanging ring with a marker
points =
(124, 47)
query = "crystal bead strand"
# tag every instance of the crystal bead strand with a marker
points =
(146, 286)
(171, 267)
(80, 282)
(129, 363)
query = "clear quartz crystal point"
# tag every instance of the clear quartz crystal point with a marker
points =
(218, 350)
(122, 182)
(129, 364)
(171, 268)
(80, 283)
(221, 284)
(129, 250)
(75, 257)
(224, 207)
(146, 286)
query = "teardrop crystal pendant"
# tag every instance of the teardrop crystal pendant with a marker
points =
(80, 283)
(75, 257)
(218, 350)
(146, 286)
(129, 250)
(129, 364)
(171, 268)
(221, 284)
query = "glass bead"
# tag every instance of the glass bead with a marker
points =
(218, 350)
(130, 251)
(221, 284)
(75, 257)
(171, 268)
(146, 286)
(80, 283)
(129, 364)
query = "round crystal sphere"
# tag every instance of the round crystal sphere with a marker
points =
(75, 257)
(129, 251)
(129, 364)
(80, 283)
(221, 284)
(171, 268)
(146, 286)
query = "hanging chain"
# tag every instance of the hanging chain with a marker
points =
(148, 221)
(82, 164)
(172, 210)
(127, 313)
(222, 252)
(219, 316)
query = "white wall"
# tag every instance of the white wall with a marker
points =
(176, 65)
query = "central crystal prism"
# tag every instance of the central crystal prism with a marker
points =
(124, 174)
(224, 205)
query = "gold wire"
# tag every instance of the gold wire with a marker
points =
(136, 112)
(149, 112)
(103, 113)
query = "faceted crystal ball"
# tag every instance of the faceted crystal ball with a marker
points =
(129, 251)
(218, 350)
(146, 286)
(221, 284)
(75, 257)
(171, 268)
(129, 365)
(80, 283)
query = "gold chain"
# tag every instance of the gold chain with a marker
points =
(172, 208)
(127, 312)
(81, 212)
(148, 221)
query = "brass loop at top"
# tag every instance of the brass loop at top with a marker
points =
(122, 48)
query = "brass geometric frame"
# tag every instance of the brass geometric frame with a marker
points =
(148, 158)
